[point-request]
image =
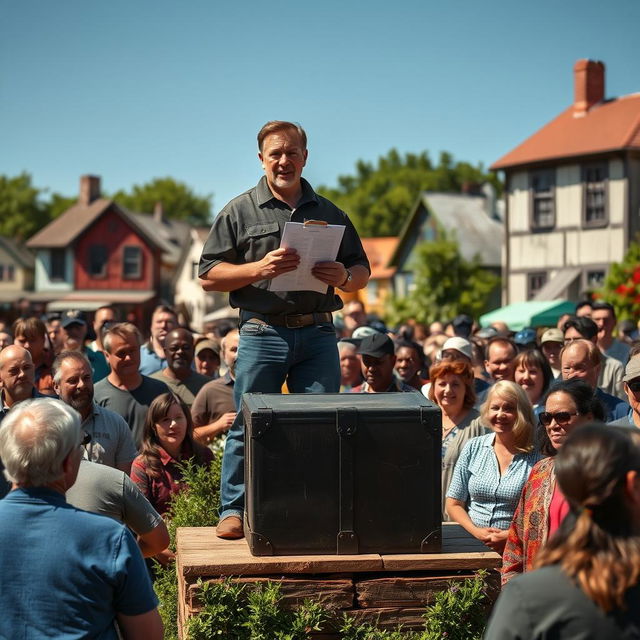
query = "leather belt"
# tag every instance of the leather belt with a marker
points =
(291, 320)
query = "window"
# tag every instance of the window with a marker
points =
(11, 273)
(595, 280)
(594, 178)
(132, 263)
(2, 270)
(58, 264)
(98, 261)
(542, 199)
(535, 282)
(194, 270)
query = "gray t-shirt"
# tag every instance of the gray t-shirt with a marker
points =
(131, 405)
(111, 439)
(110, 492)
(186, 390)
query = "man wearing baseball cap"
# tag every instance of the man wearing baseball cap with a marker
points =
(551, 344)
(457, 348)
(631, 384)
(378, 359)
(74, 331)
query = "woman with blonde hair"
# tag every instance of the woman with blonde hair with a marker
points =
(492, 469)
(586, 582)
(452, 389)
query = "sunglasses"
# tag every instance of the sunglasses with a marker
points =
(634, 385)
(561, 417)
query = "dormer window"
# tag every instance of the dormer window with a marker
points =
(543, 215)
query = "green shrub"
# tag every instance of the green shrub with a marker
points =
(237, 612)
(234, 612)
(196, 506)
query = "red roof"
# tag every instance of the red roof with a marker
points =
(608, 126)
(379, 252)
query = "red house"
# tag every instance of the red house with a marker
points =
(98, 253)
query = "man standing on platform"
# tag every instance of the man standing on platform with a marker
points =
(284, 335)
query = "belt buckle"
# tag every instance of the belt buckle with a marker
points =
(294, 321)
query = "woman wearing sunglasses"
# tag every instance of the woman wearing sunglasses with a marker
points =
(492, 469)
(586, 580)
(542, 507)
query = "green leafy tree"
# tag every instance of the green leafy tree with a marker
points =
(178, 200)
(22, 210)
(622, 286)
(378, 198)
(445, 285)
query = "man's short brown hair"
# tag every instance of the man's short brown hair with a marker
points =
(125, 330)
(29, 328)
(273, 126)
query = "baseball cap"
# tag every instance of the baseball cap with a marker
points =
(68, 320)
(462, 325)
(207, 344)
(364, 332)
(461, 345)
(376, 345)
(552, 335)
(486, 333)
(525, 336)
(632, 370)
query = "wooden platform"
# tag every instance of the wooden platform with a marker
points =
(391, 589)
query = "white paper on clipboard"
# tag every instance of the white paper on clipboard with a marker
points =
(314, 243)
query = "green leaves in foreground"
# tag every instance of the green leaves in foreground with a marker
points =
(239, 612)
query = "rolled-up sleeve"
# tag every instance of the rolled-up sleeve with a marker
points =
(221, 244)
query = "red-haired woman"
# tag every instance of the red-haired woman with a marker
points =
(452, 389)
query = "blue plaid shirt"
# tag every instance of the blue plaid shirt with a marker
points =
(490, 497)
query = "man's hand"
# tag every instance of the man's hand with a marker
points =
(224, 422)
(277, 262)
(332, 273)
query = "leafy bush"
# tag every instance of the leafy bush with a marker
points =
(237, 612)
(196, 506)
(234, 612)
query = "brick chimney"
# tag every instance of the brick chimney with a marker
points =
(588, 85)
(89, 189)
(158, 212)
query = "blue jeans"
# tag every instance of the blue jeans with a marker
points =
(307, 358)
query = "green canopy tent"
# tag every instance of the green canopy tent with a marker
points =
(534, 313)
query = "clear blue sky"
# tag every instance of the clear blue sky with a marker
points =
(137, 89)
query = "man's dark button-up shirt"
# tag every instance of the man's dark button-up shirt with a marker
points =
(251, 226)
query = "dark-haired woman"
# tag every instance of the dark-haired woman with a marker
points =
(569, 404)
(585, 585)
(167, 440)
(533, 373)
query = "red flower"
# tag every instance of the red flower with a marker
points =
(636, 275)
(622, 289)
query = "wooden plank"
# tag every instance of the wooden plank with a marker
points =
(203, 554)
(405, 592)
(390, 618)
(335, 594)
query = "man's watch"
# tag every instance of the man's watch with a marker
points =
(347, 280)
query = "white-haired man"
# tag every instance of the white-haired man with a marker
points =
(72, 573)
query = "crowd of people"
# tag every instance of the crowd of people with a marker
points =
(96, 421)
